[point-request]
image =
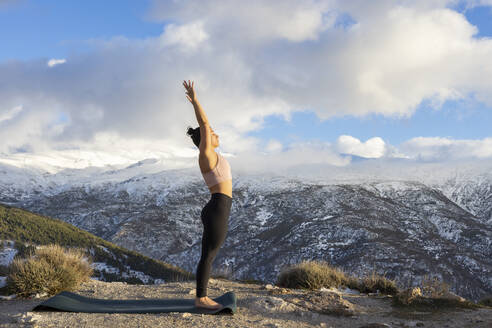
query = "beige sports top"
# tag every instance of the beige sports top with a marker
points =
(221, 172)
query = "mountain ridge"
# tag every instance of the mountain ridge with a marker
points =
(157, 214)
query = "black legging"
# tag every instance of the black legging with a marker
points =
(215, 218)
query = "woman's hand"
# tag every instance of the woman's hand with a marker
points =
(191, 95)
(190, 92)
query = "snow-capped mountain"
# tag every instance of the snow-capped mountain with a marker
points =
(403, 229)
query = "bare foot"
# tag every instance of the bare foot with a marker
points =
(207, 303)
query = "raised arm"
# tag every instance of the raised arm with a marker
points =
(191, 95)
(205, 133)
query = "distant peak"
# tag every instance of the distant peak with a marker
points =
(148, 161)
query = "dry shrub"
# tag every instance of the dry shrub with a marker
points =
(408, 296)
(374, 283)
(51, 269)
(432, 295)
(486, 301)
(353, 283)
(311, 275)
(433, 286)
(413, 299)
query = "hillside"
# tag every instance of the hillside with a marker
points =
(24, 230)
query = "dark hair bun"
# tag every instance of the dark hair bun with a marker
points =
(190, 131)
(194, 134)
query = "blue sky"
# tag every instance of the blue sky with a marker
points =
(454, 120)
(53, 29)
(41, 30)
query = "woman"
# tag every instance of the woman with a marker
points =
(215, 215)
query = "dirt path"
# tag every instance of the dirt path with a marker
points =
(257, 307)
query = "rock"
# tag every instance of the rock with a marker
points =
(376, 325)
(350, 291)
(28, 318)
(345, 290)
(275, 290)
(324, 302)
(191, 291)
(273, 304)
(186, 315)
(278, 291)
(8, 297)
(452, 296)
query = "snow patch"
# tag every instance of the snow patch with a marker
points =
(103, 267)
(3, 282)
(262, 216)
(447, 228)
(7, 255)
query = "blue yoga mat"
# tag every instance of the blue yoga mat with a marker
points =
(71, 302)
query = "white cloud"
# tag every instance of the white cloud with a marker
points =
(9, 114)
(254, 21)
(297, 156)
(396, 55)
(54, 62)
(189, 36)
(372, 148)
(95, 153)
(250, 59)
(273, 146)
(443, 149)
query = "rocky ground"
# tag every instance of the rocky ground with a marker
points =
(258, 306)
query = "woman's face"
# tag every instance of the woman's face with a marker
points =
(215, 138)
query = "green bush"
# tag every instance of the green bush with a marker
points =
(312, 275)
(51, 269)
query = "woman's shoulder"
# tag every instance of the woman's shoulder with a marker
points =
(208, 154)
